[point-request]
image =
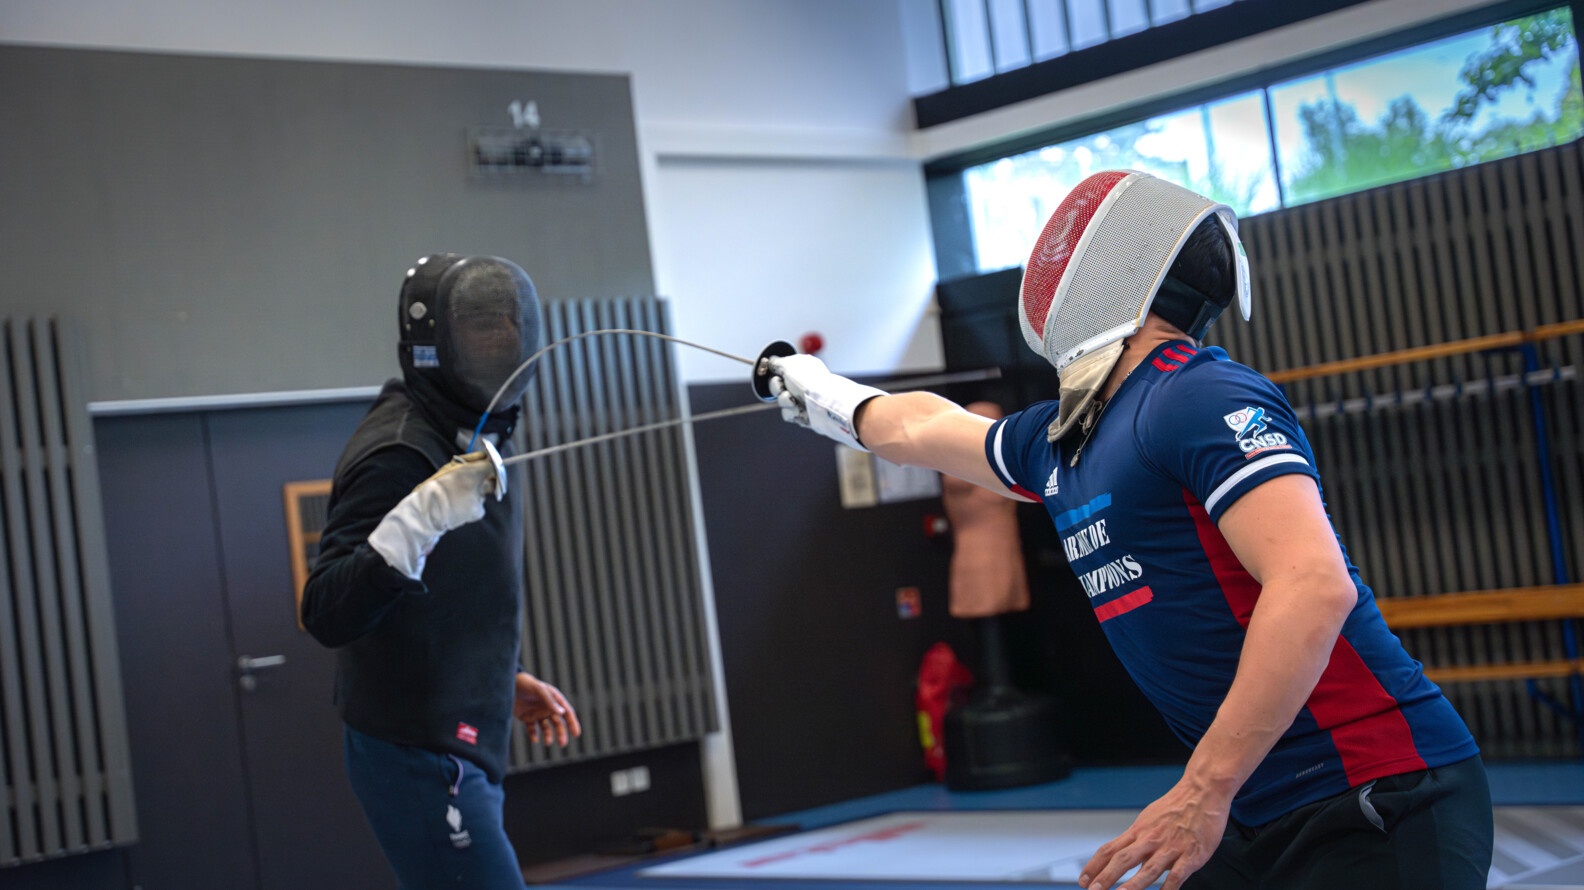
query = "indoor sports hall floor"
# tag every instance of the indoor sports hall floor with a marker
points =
(930, 838)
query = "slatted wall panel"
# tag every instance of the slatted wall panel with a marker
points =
(614, 612)
(67, 784)
(1434, 470)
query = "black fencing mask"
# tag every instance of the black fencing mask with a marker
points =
(467, 323)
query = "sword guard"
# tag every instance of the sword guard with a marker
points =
(499, 465)
(761, 368)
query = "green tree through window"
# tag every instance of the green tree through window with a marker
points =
(1474, 97)
(1341, 153)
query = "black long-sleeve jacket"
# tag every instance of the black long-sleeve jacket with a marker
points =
(427, 663)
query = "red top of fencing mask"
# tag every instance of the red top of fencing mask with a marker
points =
(1101, 258)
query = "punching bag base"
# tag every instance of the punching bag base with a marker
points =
(1004, 738)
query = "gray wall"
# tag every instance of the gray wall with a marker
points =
(234, 225)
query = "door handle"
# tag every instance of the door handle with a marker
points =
(246, 665)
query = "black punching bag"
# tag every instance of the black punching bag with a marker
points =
(1002, 737)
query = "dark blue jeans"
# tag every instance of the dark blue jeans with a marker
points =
(437, 817)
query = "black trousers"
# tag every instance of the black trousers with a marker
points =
(1425, 830)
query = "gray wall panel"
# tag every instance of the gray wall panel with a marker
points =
(235, 225)
(64, 774)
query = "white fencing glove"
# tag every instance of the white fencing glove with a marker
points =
(810, 395)
(452, 497)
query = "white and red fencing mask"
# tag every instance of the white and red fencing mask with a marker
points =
(1100, 264)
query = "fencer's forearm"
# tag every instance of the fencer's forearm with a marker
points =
(1291, 635)
(897, 427)
(915, 428)
(345, 598)
(921, 429)
(352, 587)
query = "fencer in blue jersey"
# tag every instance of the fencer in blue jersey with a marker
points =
(1189, 507)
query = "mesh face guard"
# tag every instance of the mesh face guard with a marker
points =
(1096, 268)
(489, 324)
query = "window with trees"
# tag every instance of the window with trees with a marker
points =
(1476, 96)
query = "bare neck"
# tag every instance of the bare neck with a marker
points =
(1154, 333)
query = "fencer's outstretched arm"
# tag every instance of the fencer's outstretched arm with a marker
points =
(921, 429)
(918, 429)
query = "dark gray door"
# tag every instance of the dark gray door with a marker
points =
(306, 823)
(171, 622)
(236, 787)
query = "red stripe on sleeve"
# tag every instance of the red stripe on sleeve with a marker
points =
(1125, 603)
(1018, 489)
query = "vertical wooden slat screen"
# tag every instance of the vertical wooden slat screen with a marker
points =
(64, 759)
(1433, 469)
(613, 614)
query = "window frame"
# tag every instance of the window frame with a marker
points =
(1117, 55)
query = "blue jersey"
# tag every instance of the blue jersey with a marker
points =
(1186, 435)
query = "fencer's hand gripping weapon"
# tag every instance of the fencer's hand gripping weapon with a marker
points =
(810, 395)
(763, 372)
(452, 497)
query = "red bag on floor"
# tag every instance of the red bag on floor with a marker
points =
(940, 676)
